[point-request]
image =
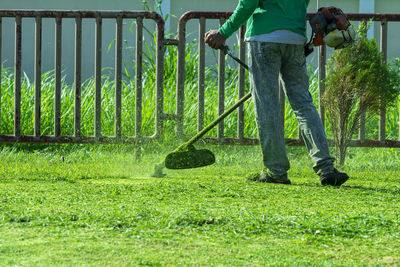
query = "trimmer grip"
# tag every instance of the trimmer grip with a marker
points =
(225, 49)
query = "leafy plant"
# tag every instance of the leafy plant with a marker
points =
(358, 80)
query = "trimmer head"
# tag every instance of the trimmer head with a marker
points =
(192, 158)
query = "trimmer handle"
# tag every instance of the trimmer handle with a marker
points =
(226, 50)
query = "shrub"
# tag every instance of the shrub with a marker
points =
(358, 80)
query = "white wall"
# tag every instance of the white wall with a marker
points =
(389, 6)
(68, 35)
(176, 8)
(72, 4)
(369, 6)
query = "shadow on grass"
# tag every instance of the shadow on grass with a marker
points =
(62, 178)
(52, 178)
(395, 191)
(103, 177)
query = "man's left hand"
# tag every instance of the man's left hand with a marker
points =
(214, 39)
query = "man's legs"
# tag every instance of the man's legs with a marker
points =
(294, 75)
(265, 65)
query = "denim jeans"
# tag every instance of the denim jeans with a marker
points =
(266, 62)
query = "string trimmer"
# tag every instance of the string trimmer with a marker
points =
(186, 156)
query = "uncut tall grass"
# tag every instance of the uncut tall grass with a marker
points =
(149, 85)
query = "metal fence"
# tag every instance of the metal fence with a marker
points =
(161, 41)
(99, 16)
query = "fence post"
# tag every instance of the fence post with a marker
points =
(78, 76)
(139, 87)
(38, 74)
(57, 90)
(160, 80)
(201, 75)
(382, 113)
(361, 133)
(180, 79)
(17, 77)
(139, 73)
(118, 77)
(242, 77)
(221, 88)
(98, 63)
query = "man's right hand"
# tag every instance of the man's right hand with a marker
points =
(214, 39)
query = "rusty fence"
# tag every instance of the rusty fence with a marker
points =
(161, 41)
(99, 17)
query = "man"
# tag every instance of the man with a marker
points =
(275, 36)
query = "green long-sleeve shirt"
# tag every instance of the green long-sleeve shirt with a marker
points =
(265, 16)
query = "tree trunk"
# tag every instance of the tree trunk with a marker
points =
(341, 150)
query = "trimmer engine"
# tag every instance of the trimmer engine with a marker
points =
(330, 26)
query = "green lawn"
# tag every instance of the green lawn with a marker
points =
(93, 205)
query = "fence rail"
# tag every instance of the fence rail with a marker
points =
(161, 41)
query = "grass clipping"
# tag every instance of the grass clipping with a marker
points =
(358, 81)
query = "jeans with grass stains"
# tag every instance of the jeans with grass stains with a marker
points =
(266, 62)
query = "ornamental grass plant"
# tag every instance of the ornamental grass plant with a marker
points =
(358, 82)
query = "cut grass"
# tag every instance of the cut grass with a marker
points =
(94, 205)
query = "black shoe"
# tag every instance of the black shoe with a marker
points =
(263, 178)
(334, 178)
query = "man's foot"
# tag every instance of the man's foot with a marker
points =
(334, 178)
(264, 178)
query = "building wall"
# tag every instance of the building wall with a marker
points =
(72, 4)
(389, 6)
(177, 9)
(28, 34)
